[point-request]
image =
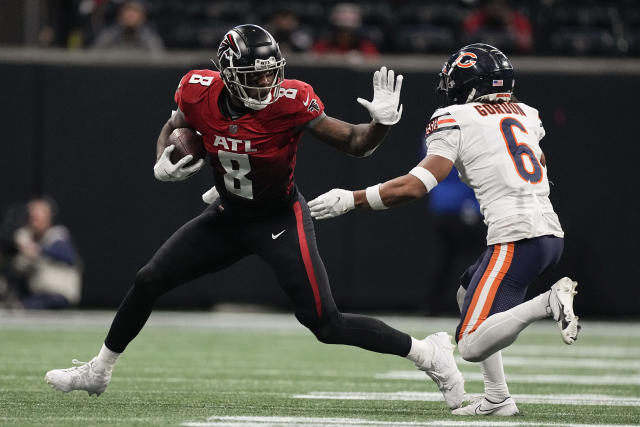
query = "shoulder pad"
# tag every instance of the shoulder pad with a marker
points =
(300, 96)
(195, 84)
(532, 112)
(294, 89)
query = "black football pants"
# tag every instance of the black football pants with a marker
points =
(214, 240)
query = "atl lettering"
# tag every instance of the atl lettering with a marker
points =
(233, 144)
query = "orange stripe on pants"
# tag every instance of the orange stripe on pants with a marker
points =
(478, 291)
(494, 287)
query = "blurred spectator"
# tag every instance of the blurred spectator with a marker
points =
(46, 36)
(44, 271)
(130, 32)
(291, 36)
(13, 217)
(496, 23)
(346, 33)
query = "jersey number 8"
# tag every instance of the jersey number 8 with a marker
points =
(237, 167)
(519, 150)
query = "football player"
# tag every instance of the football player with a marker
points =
(251, 119)
(494, 142)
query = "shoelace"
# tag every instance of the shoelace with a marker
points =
(79, 365)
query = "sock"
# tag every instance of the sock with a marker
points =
(495, 385)
(501, 329)
(107, 359)
(535, 309)
(421, 353)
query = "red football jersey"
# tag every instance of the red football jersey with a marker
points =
(253, 156)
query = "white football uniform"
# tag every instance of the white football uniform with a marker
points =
(496, 149)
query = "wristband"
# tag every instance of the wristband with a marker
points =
(373, 197)
(425, 176)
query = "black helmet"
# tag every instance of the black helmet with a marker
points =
(477, 72)
(247, 51)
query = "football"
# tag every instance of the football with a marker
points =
(187, 141)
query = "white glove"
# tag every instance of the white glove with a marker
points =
(332, 203)
(211, 195)
(164, 170)
(384, 107)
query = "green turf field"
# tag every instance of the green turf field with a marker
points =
(225, 369)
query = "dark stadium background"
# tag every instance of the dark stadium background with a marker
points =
(82, 127)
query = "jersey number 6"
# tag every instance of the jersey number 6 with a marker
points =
(519, 150)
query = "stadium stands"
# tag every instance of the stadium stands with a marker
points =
(561, 27)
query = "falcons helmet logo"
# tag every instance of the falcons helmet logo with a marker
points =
(229, 47)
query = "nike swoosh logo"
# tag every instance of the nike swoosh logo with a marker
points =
(479, 409)
(305, 103)
(275, 236)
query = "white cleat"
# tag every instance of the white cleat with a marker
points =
(561, 304)
(443, 370)
(85, 376)
(482, 406)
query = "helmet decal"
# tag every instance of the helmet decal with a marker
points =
(228, 47)
(465, 60)
(265, 64)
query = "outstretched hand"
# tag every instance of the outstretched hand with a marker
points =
(333, 203)
(386, 98)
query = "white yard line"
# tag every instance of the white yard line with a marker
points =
(607, 351)
(247, 421)
(549, 399)
(392, 375)
(565, 362)
(39, 420)
(273, 321)
(527, 378)
(291, 421)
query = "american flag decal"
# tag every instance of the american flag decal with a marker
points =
(498, 83)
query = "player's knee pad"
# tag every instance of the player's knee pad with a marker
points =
(305, 319)
(466, 350)
(471, 351)
(324, 328)
(149, 282)
(325, 331)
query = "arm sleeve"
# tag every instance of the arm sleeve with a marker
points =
(311, 124)
(442, 137)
